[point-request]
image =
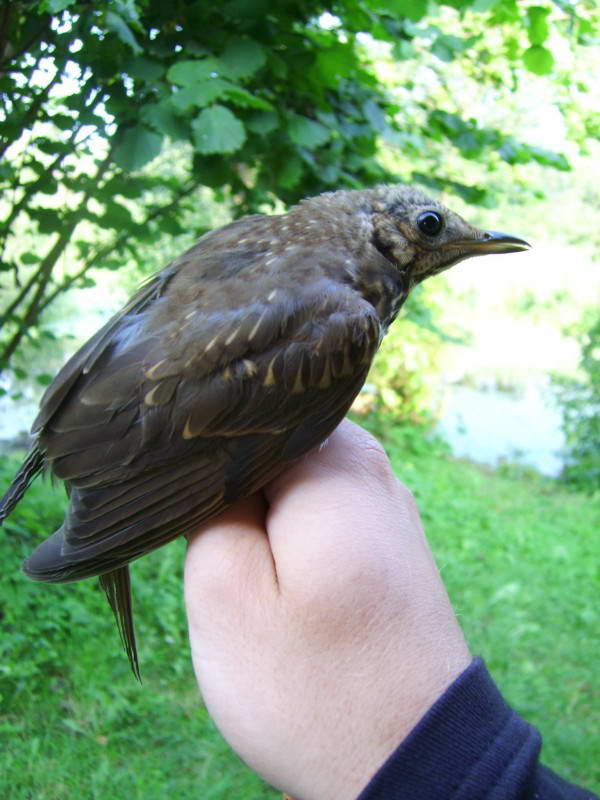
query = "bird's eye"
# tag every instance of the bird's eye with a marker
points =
(430, 223)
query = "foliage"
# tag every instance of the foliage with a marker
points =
(399, 381)
(580, 405)
(75, 723)
(115, 115)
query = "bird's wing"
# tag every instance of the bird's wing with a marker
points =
(84, 360)
(166, 431)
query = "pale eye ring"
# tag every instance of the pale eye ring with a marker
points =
(430, 223)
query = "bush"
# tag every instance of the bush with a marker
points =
(580, 402)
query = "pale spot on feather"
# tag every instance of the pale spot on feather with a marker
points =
(250, 368)
(270, 376)
(346, 365)
(272, 295)
(325, 381)
(298, 386)
(227, 374)
(190, 314)
(211, 344)
(252, 333)
(231, 336)
(149, 398)
(187, 431)
(151, 373)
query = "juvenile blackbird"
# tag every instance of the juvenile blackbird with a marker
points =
(242, 354)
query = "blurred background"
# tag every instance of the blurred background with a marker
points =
(129, 128)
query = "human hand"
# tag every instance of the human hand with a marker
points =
(320, 629)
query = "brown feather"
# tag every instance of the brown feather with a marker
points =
(117, 585)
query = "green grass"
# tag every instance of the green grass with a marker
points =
(520, 557)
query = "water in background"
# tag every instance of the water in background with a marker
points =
(490, 425)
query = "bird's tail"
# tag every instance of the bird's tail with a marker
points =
(29, 469)
(117, 586)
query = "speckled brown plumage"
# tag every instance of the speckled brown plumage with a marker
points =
(238, 357)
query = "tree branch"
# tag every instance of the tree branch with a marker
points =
(4, 26)
(32, 110)
(25, 47)
(108, 249)
(31, 187)
(43, 274)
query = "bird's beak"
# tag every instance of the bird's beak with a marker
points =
(494, 242)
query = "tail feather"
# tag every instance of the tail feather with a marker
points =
(29, 469)
(117, 586)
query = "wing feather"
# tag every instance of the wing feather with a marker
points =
(157, 433)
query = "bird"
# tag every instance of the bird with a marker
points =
(234, 360)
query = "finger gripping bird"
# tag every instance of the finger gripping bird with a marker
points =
(238, 357)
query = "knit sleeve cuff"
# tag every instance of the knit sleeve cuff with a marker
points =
(470, 744)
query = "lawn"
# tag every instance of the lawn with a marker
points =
(520, 557)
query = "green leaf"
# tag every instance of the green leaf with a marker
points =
(538, 59)
(483, 5)
(458, 4)
(44, 379)
(144, 68)
(402, 50)
(290, 172)
(411, 9)
(217, 130)
(192, 73)
(537, 25)
(29, 258)
(161, 117)
(200, 94)
(138, 147)
(243, 57)
(116, 216)
(262, 123)
(116, 24)
(55, 6)
(183, 100)
(374, 115)
(336, 62)
(48, 219)
(549, 158)
(446, 46)
(306, 132)
(245, 99)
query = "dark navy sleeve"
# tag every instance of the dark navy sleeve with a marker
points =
(470, 745)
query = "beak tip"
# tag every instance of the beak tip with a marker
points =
(496, 242)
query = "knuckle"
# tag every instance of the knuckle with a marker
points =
(374, 460)
(406, 495)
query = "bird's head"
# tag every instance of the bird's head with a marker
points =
(421, 237)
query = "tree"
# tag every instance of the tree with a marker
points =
(115, 116)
